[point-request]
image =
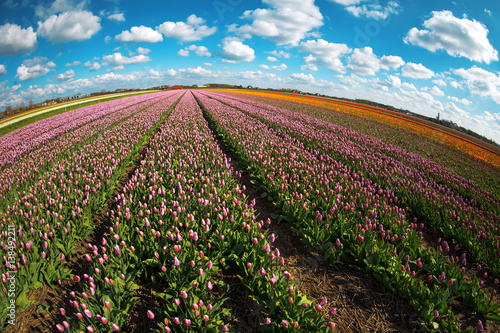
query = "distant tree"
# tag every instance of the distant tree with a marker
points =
(8, 110)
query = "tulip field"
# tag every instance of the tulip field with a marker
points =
(178, 217)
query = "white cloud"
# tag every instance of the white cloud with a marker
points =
(58, 6)
(302, 77)
(393, 81)
(3, 71)
(481, 82)
(281, 54)
(34, 68)
(189, 31)
(143, 50)
(264, 67)
(408, 86)
(74, 63)
(233, 51)
(370, 8)
(456, 85)
(363, 62)
(375, 10)
(439, 82)
(201, 51)
(434, 91)
(281, 67)
(272, 59)
(417, 71)
(69, 26)
(139, 34)
(117, 59)
(284, 22)
(116, 68)
(69, 74)
(197, 71)
(458, 37)
(154, 73)
(347, 2)
(120, 17)
(310, 64)
(92, 65)
(421, 100)
(15, 40)
(487, 11)
(323, 53)
(463, 101)
(391, 62)
(353, 80)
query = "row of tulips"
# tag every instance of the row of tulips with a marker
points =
(182, 219)
(316, 117)
(43, 224)
(339, 211)
(481, 173)
(27, 138)
(28, 166)
(396, 120)
(470, 223)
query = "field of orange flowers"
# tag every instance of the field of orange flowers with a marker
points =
(448, 139)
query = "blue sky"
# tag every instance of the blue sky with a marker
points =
(429, 57)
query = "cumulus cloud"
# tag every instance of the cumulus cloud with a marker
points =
(3, 70)
(117, 59)
(323, 53)
(481, 82)
(302, 77)
(393, 81)
(234, 51)
(120, 17)
(391, 62)
(440, 82)
(353, 80)
(363, 62)
(58, 6)
(143, 50)
(370, 8)
(92, 65)
(201, 51)
(74, 63)
(281, 67)
(463, 101)
(69, 74)
(15, 40)
(191, 30)
(197, 71)
(272, 59)
(264, 67)
(280, 54)
(139, 34)
(417, 71)
(34, 68)
(458, 37)
(284, 22)
(434, 91)
(69, 26)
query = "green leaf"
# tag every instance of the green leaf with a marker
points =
(493, 317)
(22, 301)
